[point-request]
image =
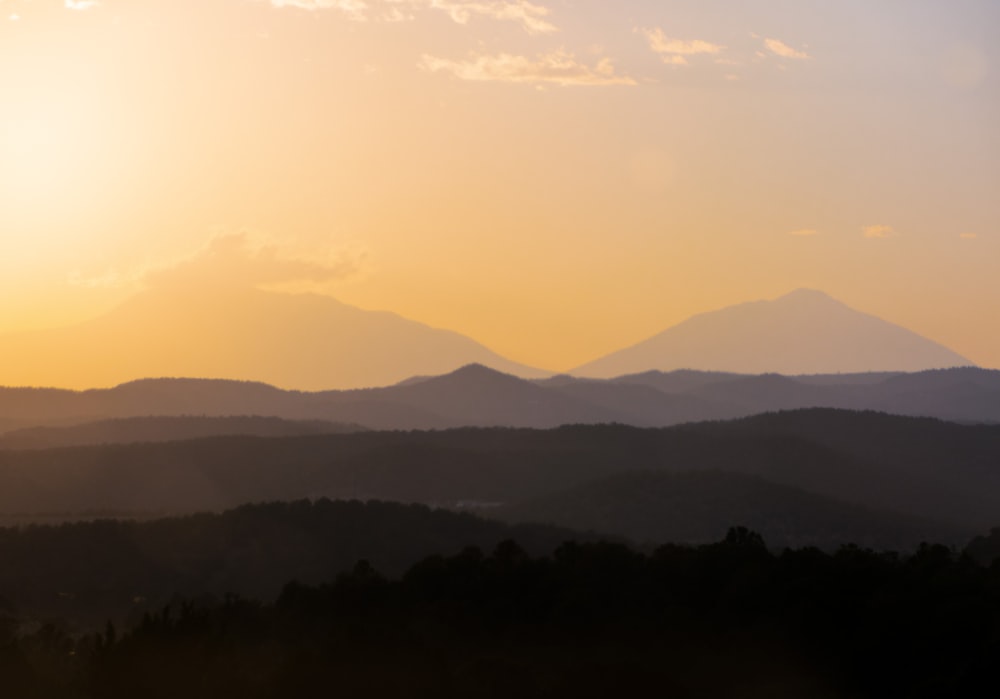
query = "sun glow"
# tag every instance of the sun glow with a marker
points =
(49, 142)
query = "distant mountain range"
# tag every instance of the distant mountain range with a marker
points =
(309, 342)
(297, 341)
(803, 332)
(478, 396)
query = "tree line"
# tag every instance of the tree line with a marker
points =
(590, 619)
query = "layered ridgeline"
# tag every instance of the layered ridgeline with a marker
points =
(296, 341)
(918, 478)
(803, 332)
(479, 396)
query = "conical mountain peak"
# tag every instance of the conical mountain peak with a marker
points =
(805, 331)
(805, 294)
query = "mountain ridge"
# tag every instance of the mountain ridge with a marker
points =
(802, 332)
(296, 341)
(479, 396)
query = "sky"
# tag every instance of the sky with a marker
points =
(556, 179)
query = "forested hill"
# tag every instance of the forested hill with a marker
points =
(729, 619)
(917, 467)
(166, 428)
(87, 572)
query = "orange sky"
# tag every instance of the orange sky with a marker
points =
(554, 178)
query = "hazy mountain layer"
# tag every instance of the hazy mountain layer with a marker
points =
(477, 396)
(301, 341)
(804, 332)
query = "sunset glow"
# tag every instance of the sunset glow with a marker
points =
(555, 180)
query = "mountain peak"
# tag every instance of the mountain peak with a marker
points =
(804, 294)
(805, 331)
(477, 374)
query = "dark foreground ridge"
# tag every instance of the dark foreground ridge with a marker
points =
(590, 620)
(88, 572)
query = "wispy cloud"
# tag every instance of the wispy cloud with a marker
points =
(231, 261)
(804, 232)
(968, 236)
(354, 9)
(780, 48)
(534, 18)
(234, 260)
(878, 231)
(556, 68)
(676, 51)
(81, 4)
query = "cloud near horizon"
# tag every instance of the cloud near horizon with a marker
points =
(556, 68)
(804, 232)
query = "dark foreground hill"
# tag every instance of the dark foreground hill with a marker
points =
(728, 619)
(91, 571)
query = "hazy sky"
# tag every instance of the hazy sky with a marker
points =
(555, 178)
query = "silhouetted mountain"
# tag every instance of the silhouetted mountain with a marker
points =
(919, 467)
(768, 392)
(803, 332)
(165, 429)
(640, 405)
(478, 396)
(699, 507)
(302, 341)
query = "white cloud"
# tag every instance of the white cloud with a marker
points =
(878, 231)
(675, 51)
(354, 9)
(556, 68)
(780, 48)
(531, 16)
(81, 4)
